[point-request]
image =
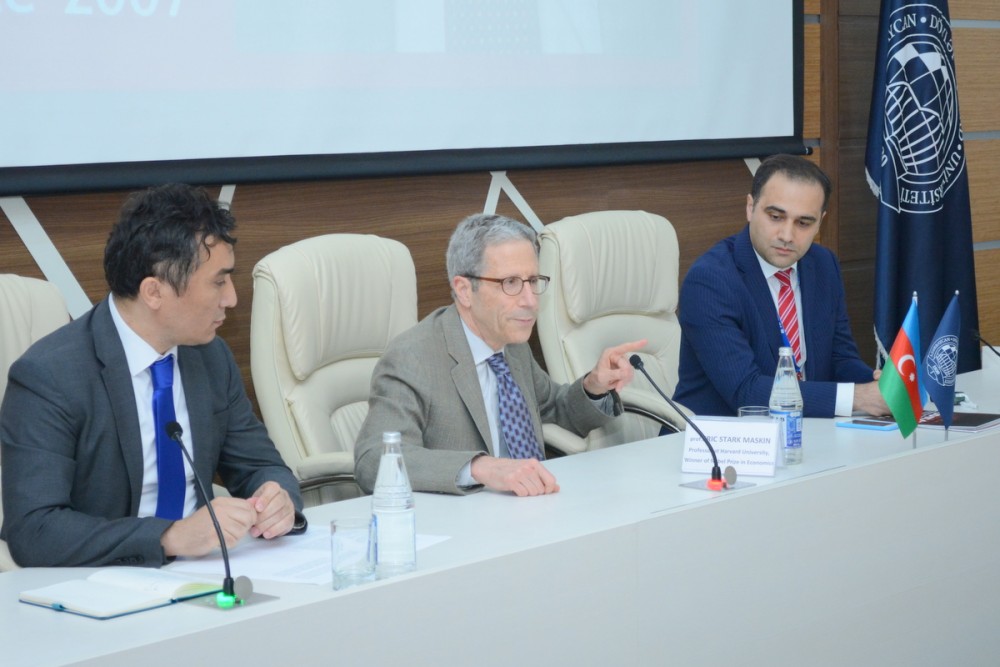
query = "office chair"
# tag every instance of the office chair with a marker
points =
(614, 279)
(29, 309)
(324, 309)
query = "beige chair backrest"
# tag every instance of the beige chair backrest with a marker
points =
(614, 279)
(324, 310)
(29, 309)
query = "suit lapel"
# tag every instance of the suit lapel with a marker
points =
(464, 374)
(198, 399)
(118, 384)
(760, 293)
(809, 290)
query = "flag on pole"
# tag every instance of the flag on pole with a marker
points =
(915, 164)
(941, 362)
(900, 380)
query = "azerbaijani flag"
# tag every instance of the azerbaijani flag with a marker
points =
(900, 382)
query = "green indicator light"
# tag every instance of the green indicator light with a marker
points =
(225, 601)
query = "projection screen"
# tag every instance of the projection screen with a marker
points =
(100, 94)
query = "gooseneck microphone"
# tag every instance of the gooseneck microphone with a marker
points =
(228, 597)
(715, 482)
(975, 334)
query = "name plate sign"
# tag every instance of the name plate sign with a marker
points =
(749, 445)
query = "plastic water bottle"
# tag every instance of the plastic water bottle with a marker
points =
(786, 406)
(392, 506)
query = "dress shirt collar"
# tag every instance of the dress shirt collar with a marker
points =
(480, 350)
(770, 269)
(139, 354)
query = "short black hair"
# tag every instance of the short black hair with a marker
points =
(794, 167)
(160, 233)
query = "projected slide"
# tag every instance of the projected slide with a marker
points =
(131, 82)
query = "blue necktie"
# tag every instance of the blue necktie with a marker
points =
(515, 418)
(171, 483)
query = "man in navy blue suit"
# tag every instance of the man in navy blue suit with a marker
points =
(729, 306)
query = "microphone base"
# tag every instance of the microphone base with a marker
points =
(210, 601)
(702, 485)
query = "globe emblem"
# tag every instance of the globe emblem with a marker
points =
(942, 361)
(921, 110)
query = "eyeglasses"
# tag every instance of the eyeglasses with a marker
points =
(513, 285)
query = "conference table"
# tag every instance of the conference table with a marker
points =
(876, 550)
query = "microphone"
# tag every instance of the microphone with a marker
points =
(229, 596)
(715, 482)
(975, 334)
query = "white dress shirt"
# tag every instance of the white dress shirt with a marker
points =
(140, 356)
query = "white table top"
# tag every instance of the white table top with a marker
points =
(600, 491)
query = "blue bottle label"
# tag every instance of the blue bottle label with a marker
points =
(791, 427)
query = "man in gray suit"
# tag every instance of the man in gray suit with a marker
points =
(82, 482)
(437, 385)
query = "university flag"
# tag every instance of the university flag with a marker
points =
(941, 363)
(900, 379)
(915, 164)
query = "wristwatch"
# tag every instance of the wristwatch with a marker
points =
(300, 525)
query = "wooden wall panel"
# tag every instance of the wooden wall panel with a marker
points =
(858, 8)
(854, 84)
(811, 81)
(858, 206)
(976, 52)
(704, 201)
(983, 163)
(78, 226)
(981, 10)
(988, 293)
(855, 54)
(860, 290)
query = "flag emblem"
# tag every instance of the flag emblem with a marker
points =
(923, 135)
(942, 360)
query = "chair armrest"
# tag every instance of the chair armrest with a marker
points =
(332, 466)
(558, 438)
(662, 421)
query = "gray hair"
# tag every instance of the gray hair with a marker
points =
(476, 233)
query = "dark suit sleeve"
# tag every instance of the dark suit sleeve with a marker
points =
(719, 324)
(57, 510)
(69, 499)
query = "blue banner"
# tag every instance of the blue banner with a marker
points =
(941, 363)
(915, 163)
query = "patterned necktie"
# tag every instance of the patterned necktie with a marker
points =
(171, 483)
(786, 311)
(515, 418)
